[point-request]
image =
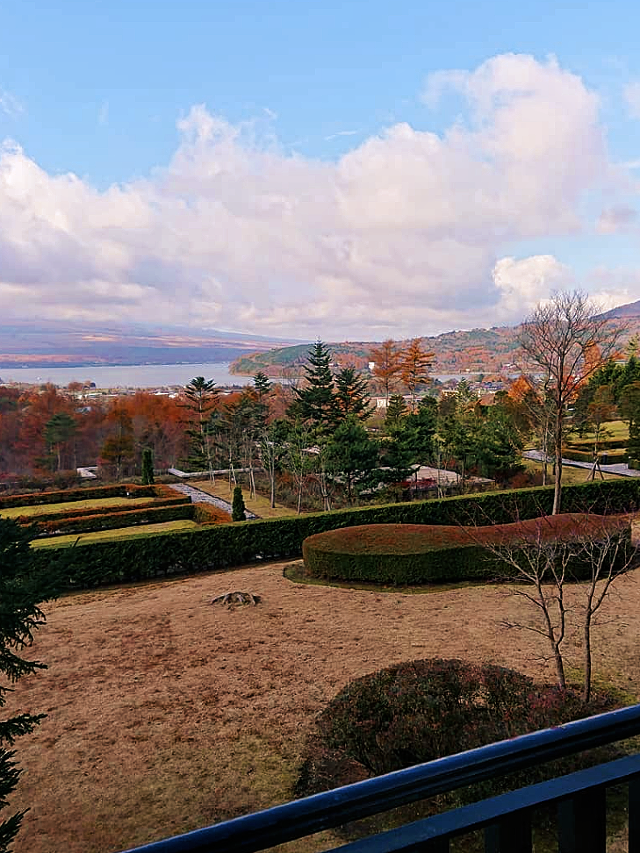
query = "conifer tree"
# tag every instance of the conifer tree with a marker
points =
(315, 401)
(20, 593)
(238, 510)
(351, 396)
(201, 399)
(147, 467)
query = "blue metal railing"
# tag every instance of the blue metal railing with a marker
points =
(506, 819)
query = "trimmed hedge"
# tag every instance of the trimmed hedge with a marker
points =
(421, 553)
(206, 513)
(221, 546)
(46, 516)
(120, 490)
(604, 443)
(609, 457)
(114, 520)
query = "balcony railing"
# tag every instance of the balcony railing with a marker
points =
(506, 819)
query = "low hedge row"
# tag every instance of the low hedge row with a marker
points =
(114, 520)
(603, 443)
(46, 516)
(609, 457)
(423, 553)
(223, 545)
(119, 490)
(210, 514)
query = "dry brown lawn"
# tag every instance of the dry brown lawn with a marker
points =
(167, 713)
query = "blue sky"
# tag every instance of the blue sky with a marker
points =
(308, 104)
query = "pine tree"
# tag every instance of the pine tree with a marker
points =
(351, 455)
(238, 512)
(315, 402)
(201, 399)
(352, 396)
(396, 411)
(147, 467)
(20, 593)
(58, 431)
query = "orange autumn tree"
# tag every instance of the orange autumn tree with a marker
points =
(387, 366)
(414, 367)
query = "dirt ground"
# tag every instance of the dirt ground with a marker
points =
(166, 713)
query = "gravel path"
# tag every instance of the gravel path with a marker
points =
(199, 497)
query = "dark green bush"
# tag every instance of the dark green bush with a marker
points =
(421, 553)
(222, 545)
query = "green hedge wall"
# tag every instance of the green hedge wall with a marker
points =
(424, 553)
(112, 521)
(224, 545)
(119, 490)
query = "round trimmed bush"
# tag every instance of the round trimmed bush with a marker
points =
(421, 710)
(423, 553)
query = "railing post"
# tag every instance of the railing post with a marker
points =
(513, 832)
(634, 815)
(582, 823)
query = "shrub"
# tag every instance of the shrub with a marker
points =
(238, 510)
(421, 710)
(420, 553)
(206, 513)
(47, 515)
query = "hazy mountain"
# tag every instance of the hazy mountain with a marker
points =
(68, 344)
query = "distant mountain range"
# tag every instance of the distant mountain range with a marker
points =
(65, 345)
(82, 345)
(492, 350)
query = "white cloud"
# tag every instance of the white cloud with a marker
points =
(632, 97)
(9, 104)
(402, 235)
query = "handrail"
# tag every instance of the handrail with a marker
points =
(329, 809)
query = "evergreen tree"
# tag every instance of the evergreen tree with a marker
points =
(21, 591)
(238, 509)
(147, 467)
(315, 401)
(201, 399)
(57, 432)
(351, 455)
(352, 396)
(396, 411)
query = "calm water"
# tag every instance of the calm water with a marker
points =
(131, 376)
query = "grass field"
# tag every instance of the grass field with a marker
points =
(118, 533)
(258, 505)
(165, 713)
(611, 429)
(52, 509)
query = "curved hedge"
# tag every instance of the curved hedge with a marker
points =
(421, 553)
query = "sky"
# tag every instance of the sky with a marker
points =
(343, 170)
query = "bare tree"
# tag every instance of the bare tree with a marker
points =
(560, 337)
(544, 559)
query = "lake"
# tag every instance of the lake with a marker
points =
(126, 376)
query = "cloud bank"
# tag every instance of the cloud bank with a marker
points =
(408, 233)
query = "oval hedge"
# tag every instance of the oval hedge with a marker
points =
(423, 553)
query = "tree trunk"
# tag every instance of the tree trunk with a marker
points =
(586, 651)
(558, 459)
